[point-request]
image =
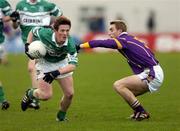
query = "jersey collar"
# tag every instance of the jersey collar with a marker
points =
(123, 33)
(54, 40)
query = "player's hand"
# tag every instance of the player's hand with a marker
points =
(26, 51)
(26, 47)
(50, 76)
(78, 48)
(15, 16)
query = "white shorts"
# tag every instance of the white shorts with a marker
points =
(43, 66)
(2, 51)
(155, 84)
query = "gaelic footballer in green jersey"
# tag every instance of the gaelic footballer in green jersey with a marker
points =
(35, 13)
(55, 53)
(59, 63)
(5, 11)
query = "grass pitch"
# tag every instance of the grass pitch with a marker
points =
(96, 106)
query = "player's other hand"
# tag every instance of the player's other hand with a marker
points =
(50, 76)
(26, 51)
(78, 48)
(15, 16)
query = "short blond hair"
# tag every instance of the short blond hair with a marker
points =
(120, 24)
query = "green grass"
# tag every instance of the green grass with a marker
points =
(96, 106)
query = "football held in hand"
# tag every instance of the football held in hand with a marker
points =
(37, 49)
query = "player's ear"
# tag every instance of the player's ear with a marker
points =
(120, 31)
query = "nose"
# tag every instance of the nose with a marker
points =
(66, 32)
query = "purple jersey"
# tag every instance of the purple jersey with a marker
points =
(137, 54)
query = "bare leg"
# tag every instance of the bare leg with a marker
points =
(129, 88)
(32, 72)
(4, 60)
(44, 90)
(68, 92)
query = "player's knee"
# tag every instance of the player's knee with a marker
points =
(69, 95)
(118, 85)
(46, 95)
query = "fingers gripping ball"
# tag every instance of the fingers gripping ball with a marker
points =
(37, 49)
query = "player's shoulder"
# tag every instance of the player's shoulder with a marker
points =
(45, 30)
(47, 3)
(41, 30)
(71, 41)
(70, 38)
(21, 3)
(3, 3)
(125, 37)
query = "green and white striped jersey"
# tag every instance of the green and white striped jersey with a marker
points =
(55, 52)
(5, 10)
(37, 14)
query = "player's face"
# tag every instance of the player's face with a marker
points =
(62, 33)
(113, 32)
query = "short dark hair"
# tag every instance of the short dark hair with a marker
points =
(119, 25)
(61, 21)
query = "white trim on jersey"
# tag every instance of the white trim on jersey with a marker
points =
(6, 8)
(35, 31)
(54, 40)
(59, 11)
(72, 58)
(54, 10)
(34, 13)
(35, 19)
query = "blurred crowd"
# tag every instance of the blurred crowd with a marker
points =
(92, 20)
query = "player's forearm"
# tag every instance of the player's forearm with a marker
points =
(109, 43)
(6, 19)
(30, 37)
(15, 25)
(67, 69)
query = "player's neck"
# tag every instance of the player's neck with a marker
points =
(32, 2)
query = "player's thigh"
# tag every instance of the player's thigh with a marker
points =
(134, 84)
(67, 85)
(31, 65)
(44, 86)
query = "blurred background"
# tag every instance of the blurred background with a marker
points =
(156, 22)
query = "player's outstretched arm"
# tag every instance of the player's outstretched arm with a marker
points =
(107, 43)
